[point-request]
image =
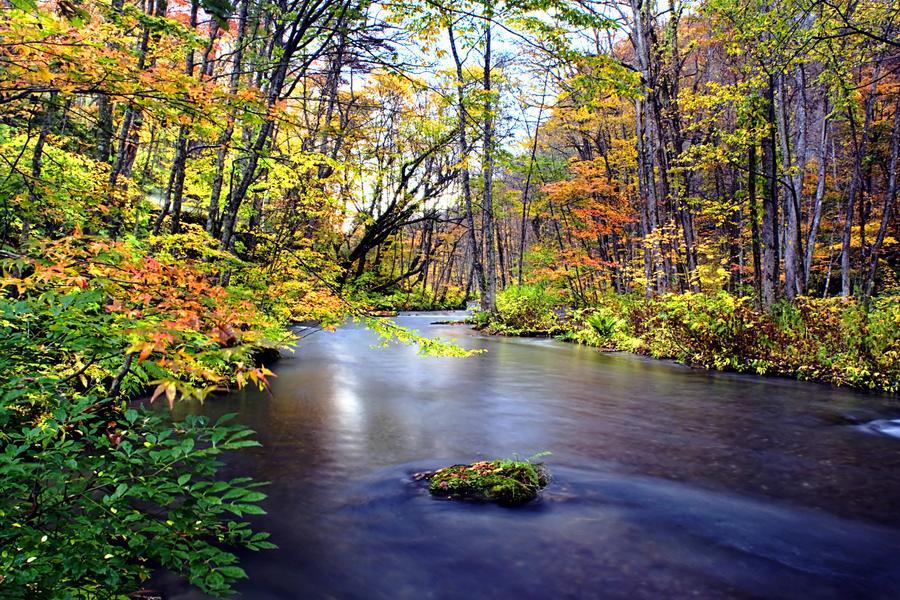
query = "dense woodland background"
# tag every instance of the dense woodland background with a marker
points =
(714, 181)
(607, 147)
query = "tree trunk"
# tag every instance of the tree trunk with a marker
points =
(126, 150)
(212, 211)
(890, 197)
(855, 182)
(488, 302)
(104, 129)
(534, 144)
(175, 187)
(770, 203)
(822, 157)
(465, 181)
(287, 39)
(649, 218)
(37, 165)
(181, 149)
(793, 278)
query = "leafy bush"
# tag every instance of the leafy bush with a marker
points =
(481, 319)
(526, 308)
(602, 326)
(96, 495)
(715, 332)
(837, 341)
(70, 185)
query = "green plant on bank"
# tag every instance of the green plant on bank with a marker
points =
(96, 495)
(837, 341)
(507, 482)
(595, 327)
(523, 310)
(481, 319)
(604, 324)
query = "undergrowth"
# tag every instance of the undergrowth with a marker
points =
(838, 341)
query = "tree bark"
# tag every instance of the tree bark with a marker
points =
(523, 226)
(770, 203)
(316, 16)
(890, 197)
(465, 180)
(37, 166)
(212, 211)
(488, 302)
(855, 183)
(179, 164)
(754, 220)
(793, 268)
(822, 157)
(104, 129)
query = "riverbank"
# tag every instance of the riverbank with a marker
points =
(836, 341)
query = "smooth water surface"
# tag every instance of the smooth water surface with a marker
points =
(668, 482)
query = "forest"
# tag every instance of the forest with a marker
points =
(183, 181)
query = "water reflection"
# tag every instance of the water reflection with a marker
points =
(669, 482)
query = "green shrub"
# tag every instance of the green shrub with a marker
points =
(481, 319)
(96, 495)
(604, 323)
(834, 340)
(526, 308)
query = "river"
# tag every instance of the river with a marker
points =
(668, 482)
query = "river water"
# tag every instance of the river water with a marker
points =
(668, 482)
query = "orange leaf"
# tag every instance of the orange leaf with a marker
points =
(145, 352)
(159, 390)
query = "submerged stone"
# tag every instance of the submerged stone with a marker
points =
(506, 482)
(853, 416)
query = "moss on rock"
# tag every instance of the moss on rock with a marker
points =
(506, 482)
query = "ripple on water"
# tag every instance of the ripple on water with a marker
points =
(603, 534)
(888, 427)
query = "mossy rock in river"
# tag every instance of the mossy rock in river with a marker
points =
(506, 482)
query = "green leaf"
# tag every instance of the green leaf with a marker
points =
(232, 571)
